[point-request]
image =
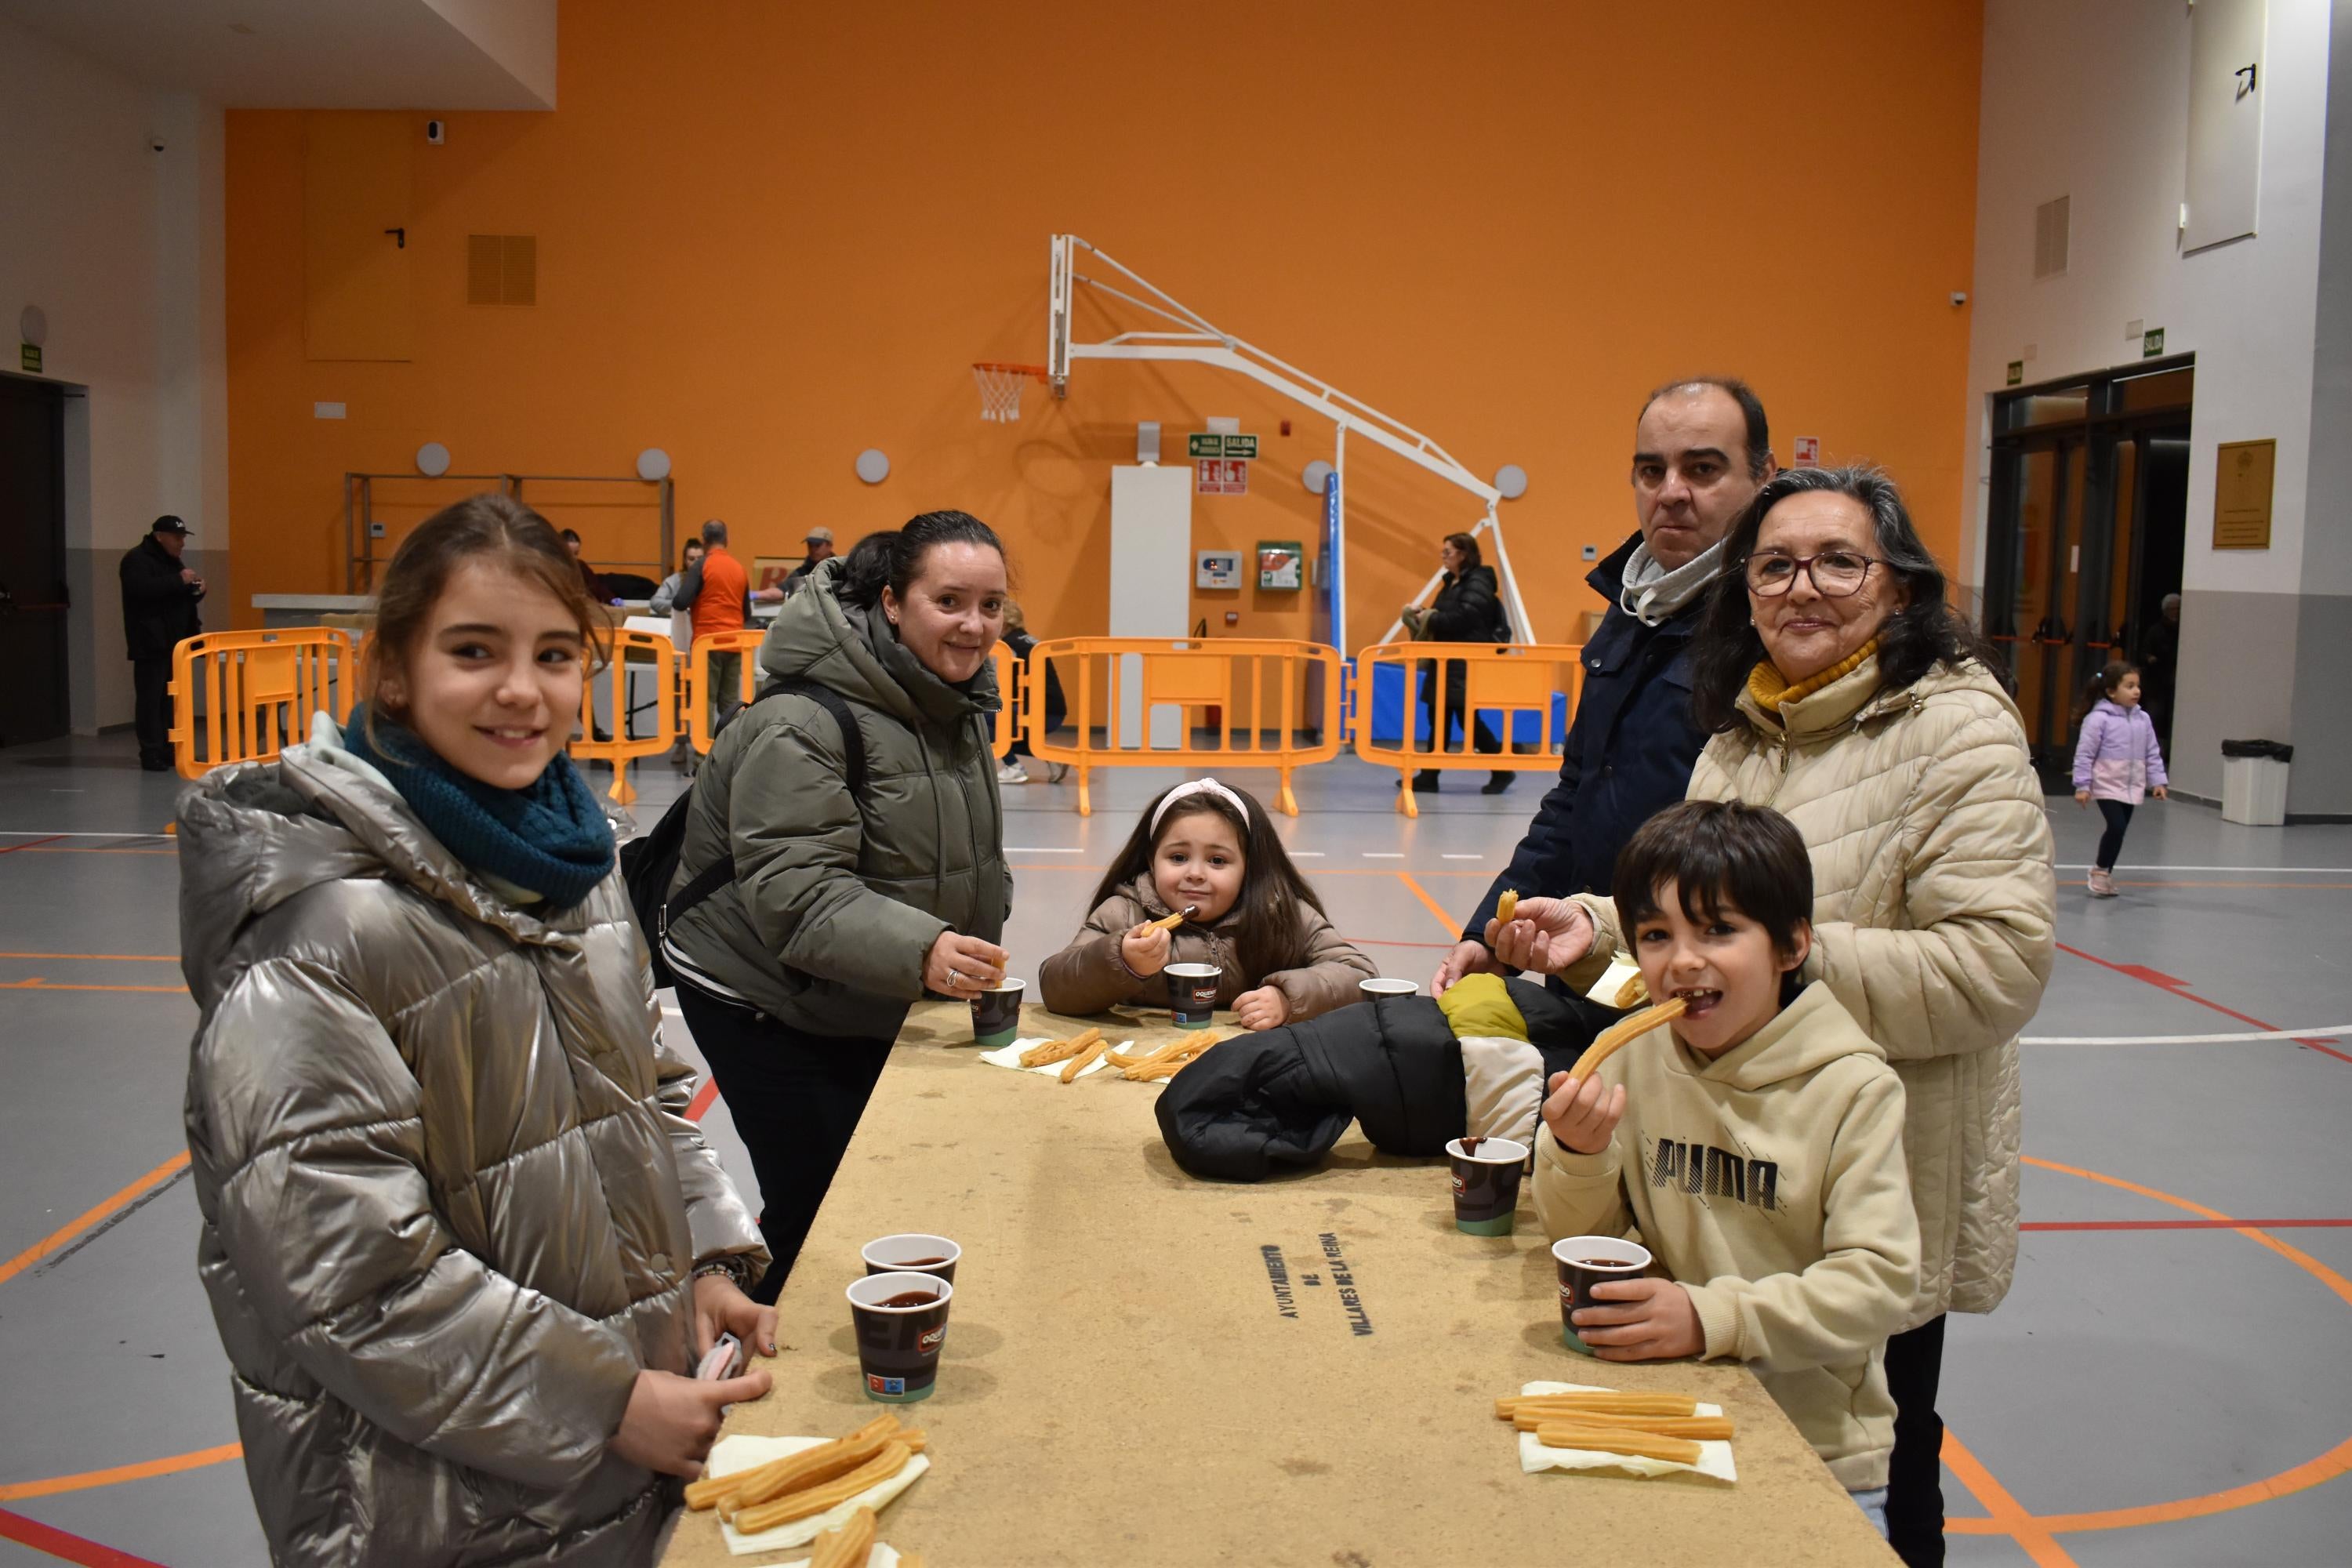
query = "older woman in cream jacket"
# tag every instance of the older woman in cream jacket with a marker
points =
(1843, 691)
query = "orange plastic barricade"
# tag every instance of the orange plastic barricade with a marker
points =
(243, 697)
(629, 647)
(1010, 695)
(1504, 685)
(695, 696)
(1120, 688)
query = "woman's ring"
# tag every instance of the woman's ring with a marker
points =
(954, 977)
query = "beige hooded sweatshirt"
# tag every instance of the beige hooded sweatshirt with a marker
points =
(1770, 1183)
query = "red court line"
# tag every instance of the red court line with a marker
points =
(2180, 988)
(703, 1099)
(47, 1537)
(52, 838)
(2182, 1224)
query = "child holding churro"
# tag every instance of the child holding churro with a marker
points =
(2116, 762)
(1754, 1144)
(1206, 856)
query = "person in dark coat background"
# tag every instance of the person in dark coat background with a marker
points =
(1467, 609)
(1701, 451)
(159, 611)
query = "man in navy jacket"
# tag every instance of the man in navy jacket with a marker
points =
(1701, 450)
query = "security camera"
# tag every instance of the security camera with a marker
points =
(435, 131)
(156, 144)
(1959, 296)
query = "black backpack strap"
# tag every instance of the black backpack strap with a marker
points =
(721, 871)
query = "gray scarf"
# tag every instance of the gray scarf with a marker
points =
(1652, 594)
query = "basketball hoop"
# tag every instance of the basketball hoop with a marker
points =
(1001, 386)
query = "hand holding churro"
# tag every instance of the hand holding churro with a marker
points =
(1146, 950)
(1583, 1112)
(1169, 922)
(1541, 936)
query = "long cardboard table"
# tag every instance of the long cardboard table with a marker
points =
(1142, 1368)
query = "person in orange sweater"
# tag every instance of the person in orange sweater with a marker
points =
(718, 593)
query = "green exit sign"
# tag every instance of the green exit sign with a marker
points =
(2016, 372)
(31, 358)
(1210, 443)
(2151, 342)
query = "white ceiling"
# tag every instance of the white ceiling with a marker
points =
(316, 54)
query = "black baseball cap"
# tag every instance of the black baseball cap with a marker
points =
(167, 523)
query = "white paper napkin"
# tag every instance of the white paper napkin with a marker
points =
(742, 1451)
(1714, 1457)
(1010, 1057)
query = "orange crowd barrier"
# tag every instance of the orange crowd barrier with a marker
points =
(1120, 690)
(1012, 695)
(1524, 692)
(243, 697)
(639, 648)
(696, 696)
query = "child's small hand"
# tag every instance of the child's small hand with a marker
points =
(1582, 1113)
(2082, 797)
(2158, 793)
(1652, 1320)
(1263, 1008)
(1146, 949)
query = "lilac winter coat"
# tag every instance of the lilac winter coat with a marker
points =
(2117, 757)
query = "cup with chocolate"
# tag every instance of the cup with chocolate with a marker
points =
(912, 1253)
(901, 1320)
(1486, 1173)
(1588, 1260)
(1193, 994)
(1373, 990)
(996, 1014)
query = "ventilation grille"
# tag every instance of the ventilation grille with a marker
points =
(502, 269)
(2050, 237)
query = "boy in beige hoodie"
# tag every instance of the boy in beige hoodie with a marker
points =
(1754, 1145)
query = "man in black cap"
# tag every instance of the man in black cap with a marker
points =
(819, 549)
(159, 611)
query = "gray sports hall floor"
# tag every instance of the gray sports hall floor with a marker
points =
(2161, 1387)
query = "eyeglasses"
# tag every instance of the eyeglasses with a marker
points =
(1836, 574)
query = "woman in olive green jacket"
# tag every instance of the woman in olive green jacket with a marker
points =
(846, 908)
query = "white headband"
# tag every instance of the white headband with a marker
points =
(1197, 787)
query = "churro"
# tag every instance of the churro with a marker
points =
(847, 1547)
(1600, 1399)
(711, 1490)
(1083, 1060)
(1169, 922)
(1619, 1440)
(1698, 1428)
(1046, 1053)
(1623, 1030)
(817, 1465)
(1506, 907)
(812, 1500)
(1632, 994)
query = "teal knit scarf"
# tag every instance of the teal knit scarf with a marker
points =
(550, 838)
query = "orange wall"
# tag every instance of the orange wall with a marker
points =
(771, 235)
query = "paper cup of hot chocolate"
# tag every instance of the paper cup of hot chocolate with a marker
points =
(1588, 1260)
(996, 1014)
(1373, 990)
(912, 1253)
(1485, 1184)
(901, 1320)
(1193, 994)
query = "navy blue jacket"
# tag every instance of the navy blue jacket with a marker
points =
(1629, 751)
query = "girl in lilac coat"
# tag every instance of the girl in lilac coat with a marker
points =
(2116, 761)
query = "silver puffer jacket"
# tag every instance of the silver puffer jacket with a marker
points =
(451, 1201)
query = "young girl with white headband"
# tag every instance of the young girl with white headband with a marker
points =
(1207, 850)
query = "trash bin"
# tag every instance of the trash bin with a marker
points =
(2253, 781)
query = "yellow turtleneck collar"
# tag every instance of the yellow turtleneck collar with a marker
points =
(1773, 694)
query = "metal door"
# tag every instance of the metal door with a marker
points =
(33, 697)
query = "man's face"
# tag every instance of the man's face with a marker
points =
(819, 550)
(172, 544)
(1690, 472)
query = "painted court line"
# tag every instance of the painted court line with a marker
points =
(64, 1233)
(1432, 905)
(1381, 854)
(2008, 1515)
(2329, 1032)
(1462, 857)
(1038, 849)
(116, 1475)
(68, 1548)
(2184, 1223)
(2297, 870)
(2180, 988)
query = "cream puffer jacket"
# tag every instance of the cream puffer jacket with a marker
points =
(451, 1200)
(1934, 903)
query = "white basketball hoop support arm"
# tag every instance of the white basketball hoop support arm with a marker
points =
(1200, 343)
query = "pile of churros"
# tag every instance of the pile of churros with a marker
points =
(1077, 1053)
(852, 1546)
(1170, 1059)
(812, 1481)
(1642, 1425)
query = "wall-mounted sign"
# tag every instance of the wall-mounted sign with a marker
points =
(1808, 452)
(1221, 477)
(1280, 564)
(29, 355)
(2016, 372)
(1215, 444)
(2151, 342)
(2242, 494)
(1217, 569)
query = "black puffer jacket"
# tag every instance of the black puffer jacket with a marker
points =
(1467, 609)
(1283, 1098)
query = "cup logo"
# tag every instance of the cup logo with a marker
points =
(931, 1339)
(876, 1384)
(1459, 1186)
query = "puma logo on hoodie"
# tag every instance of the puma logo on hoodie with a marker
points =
(1705, 1172)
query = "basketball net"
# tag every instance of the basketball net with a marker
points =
(1001, 386)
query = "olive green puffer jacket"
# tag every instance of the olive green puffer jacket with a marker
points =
(450, 1198)
(835, 900)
